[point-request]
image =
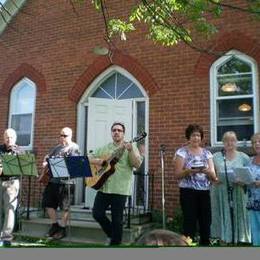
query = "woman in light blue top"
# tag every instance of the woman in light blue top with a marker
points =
(253, 204)
(222, 227)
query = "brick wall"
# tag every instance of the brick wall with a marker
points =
(52, 45)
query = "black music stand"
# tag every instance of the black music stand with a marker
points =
(69, 167)
(20, 165)
(230, 197)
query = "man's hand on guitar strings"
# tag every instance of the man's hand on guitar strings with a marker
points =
(128, 146)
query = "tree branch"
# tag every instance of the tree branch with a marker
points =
(234, 7)
(73, 7)
(154, 14)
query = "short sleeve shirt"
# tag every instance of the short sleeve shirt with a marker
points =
(120, 182)
(198, 181)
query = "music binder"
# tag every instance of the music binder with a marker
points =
(243, 175)
(78, 166)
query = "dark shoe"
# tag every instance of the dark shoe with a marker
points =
(54, 228)
(61, 233)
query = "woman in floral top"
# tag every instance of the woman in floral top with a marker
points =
(194, 169)
(253, 204)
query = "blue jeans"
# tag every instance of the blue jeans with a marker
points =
(114, 227)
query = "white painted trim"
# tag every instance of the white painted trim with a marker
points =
(11, 103)
(106, 74)
(12, 8)
(80, 125)
(213, 93)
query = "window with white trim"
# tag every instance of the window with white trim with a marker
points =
(117, 86)
(234, 102)
(22, 110)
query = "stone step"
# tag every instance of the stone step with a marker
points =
(83, 214)
(85, 232)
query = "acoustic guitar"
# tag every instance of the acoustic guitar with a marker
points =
(45, 175)
(100, 174)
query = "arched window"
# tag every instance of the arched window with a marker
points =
(117, 86)
(234, 99)
(22, 109)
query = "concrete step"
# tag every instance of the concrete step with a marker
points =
(85, 232)
(83, 214)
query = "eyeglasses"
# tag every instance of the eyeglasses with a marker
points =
(61, 135)
(117, 130)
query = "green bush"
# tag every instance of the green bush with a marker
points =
(172, 223)
(175, 224)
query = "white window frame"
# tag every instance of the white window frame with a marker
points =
(11, 108)
(214, 94)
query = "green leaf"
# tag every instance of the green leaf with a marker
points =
(97, 4)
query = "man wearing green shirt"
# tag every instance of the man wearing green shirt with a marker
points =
(115, 190)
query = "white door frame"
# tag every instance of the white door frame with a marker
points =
(81, 118)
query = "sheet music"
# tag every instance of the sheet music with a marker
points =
(231, 175)
(58, 167)
(243, 175)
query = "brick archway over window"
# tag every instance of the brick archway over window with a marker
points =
(225, 42)
(102, 63)
(24, 70)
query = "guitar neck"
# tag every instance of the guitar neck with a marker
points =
(120, 150)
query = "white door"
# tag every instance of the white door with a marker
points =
(101, 115)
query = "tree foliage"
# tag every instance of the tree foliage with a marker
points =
(172, 21)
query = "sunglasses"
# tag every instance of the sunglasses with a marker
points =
(117, 130)
(61, 135)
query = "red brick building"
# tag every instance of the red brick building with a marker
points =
(50, 78)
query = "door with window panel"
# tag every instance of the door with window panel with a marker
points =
(119, 90)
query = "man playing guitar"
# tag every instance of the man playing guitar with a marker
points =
(117, 187)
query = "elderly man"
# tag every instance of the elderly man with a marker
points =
(56, 192)
(9, 189)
